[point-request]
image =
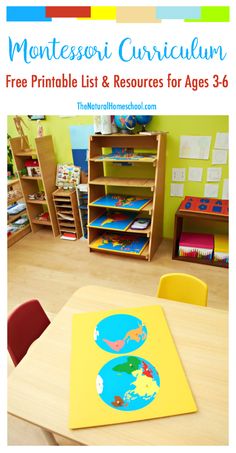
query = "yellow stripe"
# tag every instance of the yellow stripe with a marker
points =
(103, 12)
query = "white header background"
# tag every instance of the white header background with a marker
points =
(184, 101)
(78, 32)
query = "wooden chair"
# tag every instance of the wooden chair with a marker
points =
(183, 288)
(25, 324)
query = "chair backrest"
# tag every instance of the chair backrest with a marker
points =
(183, 288)
(25, 324)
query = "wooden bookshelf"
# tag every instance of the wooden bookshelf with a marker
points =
(44, 152)
(150, 185)
(65, 202)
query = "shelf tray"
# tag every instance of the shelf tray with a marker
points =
(115, 221)
(124, 182)
(32, 152)
(36, 178)
(120, 243)
(69, 224)
(14, 237)
(36, 201)
(67, 230)
(104, 158)
(12, 218)
(14, 200)
(122, 202)
(200, 261)
(11, 182)
(147, 231)
(41, 222)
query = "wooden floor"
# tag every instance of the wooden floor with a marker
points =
(50, 270)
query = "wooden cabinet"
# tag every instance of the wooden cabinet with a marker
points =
(16, 229)
(40, 209)
(66, 206)
(200, 218)
(139, 173)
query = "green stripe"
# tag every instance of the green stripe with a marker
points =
(213, 14)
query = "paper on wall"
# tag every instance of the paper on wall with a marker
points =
(222, 140)
(176, 190)
(219, 156)
(178, 174)
(195, 174)
(214, 174)
(225, 191)
(194, 147)
(211, 190)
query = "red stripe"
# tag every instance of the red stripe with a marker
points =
(68, 11)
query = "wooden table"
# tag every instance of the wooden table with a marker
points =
(39, 386)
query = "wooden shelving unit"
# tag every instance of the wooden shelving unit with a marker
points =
(17, 235)
(144, 178)
(180, 217)
(44, 153)
(65, 202)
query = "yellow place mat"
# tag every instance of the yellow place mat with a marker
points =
(125, 367)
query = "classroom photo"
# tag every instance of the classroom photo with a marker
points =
(118, 257)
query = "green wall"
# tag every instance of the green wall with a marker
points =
(188, 125)
(176, 126)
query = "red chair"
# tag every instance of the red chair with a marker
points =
(25, 324)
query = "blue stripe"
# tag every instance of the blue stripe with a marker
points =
(178, 12)
(27, 14)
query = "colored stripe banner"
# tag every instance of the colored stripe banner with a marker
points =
(121, 14)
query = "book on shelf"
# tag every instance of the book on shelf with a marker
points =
(68, 236)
